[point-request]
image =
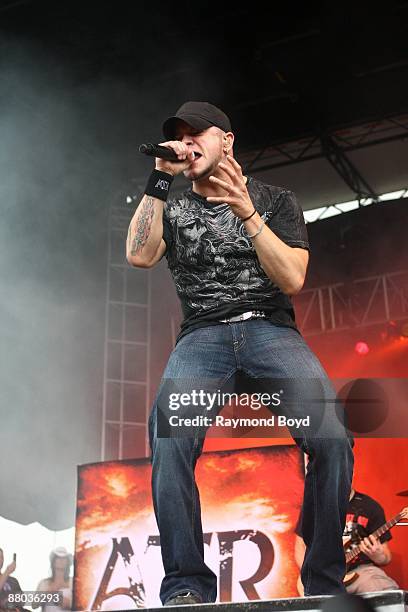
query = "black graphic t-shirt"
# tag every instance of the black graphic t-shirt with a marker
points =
(213, 262)
(364, 516)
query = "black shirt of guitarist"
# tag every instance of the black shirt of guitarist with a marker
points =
(364, 516)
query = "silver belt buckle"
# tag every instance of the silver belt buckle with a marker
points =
(244, 316)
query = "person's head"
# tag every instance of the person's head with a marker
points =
(206, 130)
(61, 562)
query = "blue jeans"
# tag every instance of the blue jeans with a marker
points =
(263, 351)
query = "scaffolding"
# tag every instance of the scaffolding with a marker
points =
(362, 302)
(126, 377)
(347, 139)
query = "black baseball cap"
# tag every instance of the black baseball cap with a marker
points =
(200, 115)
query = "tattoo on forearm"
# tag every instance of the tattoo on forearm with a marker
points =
(144, 224)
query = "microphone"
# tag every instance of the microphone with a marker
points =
(155, 150)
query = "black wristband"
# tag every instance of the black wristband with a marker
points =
(159, 184)
(251, 215)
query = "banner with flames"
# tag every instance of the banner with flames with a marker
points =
(250, 499)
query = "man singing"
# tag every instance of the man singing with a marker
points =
(237, 249)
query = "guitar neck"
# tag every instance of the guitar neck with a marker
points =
(352, 554)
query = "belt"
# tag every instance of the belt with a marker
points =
(251, 314)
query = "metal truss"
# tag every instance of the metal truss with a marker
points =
(331, 210)
(126, 376)
(362, 302)
(346, 169)
(332, 146)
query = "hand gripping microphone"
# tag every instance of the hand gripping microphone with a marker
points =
(155, 150)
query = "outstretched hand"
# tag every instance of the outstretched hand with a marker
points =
(238, 197)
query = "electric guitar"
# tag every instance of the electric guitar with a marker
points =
(351, 555)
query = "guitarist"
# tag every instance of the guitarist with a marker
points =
(364, 516)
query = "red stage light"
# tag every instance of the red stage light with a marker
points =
(361, 348)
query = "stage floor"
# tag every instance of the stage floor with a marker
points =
(383, 601)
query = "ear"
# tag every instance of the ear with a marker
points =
(228, 141)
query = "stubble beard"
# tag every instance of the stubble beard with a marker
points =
(203, 174)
